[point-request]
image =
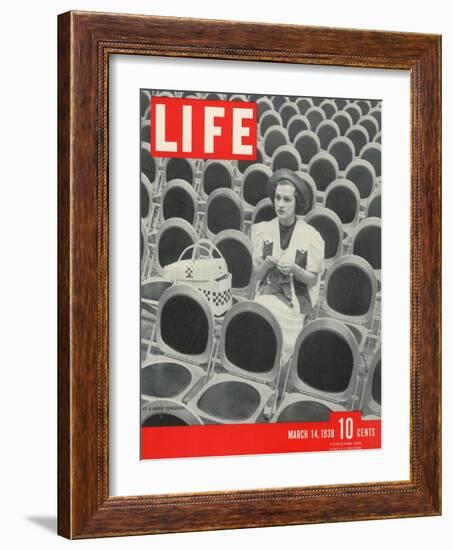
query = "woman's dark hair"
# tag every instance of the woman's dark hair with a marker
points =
(301, 204)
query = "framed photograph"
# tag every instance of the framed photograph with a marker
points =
(249, 275)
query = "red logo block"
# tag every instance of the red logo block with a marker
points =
(204, 129)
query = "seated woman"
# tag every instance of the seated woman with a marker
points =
(288, 257)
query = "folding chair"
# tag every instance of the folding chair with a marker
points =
(237, 250)
(179, 200)
(343, 120)
(254, 185)
(372, 153)
(297, 124)
(323, 168)
(315, 115)
(303, 104)
(329, 226)
(350, 295)
(354, 111)
(269, 119)
(264, 211)
(327, 131)
(172, 238)
(287, 111)
(342, 197)
(362, 174)
(370, 124)
(359, 137)
(325, 365)
(274, 138)
(308, 145)
(286, 156)
(374, 205)
(216, 174)
(245, 389)
(342, 149)
(224, 210)
(180, 353)
(329, 107)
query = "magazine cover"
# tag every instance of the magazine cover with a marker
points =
(260, 247)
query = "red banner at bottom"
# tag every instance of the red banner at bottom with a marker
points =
(344, 431)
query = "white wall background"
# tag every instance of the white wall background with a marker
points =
(28, 216)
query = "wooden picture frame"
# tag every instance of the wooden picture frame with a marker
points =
(85, 41)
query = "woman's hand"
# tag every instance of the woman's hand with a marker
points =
(287, 268)
(270, 261)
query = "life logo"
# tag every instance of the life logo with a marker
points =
(203, 129)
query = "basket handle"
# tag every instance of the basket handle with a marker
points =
(204, 244)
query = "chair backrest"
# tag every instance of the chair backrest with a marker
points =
(274, 137)
(244, 164)
(340, 103)
(327, 131)
(315, 115)
(145, 130)
(367, 240)
(145, 103)
(364, 105)
(342, 197)
(296, 124)
(350, 289)
(329, 107)
(286, 156)
(303, 104)
(147, 162)
(287, 111)
(370, 124)
(264, 211)
(307, 144)
(180, 169)
(372, 153)
(264, 104)
(343, 120)
(179, 200)
(215, 96)
(377, 114)
(374, 205)
(269, 119)
(216, 174)
(173, 236)
(238, 97)
(362, 174)
(146, 197)
(278, 101)
(254, 183)
(237, 250)
(354, 111)
(342, 149)
(323, 168)
(224, 210)
(325, 361)
(251, 342)
(185, 324)
(329, 226)
(359, 137)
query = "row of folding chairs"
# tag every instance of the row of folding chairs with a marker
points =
(350, 196)
(241, 375)
(295, 146)
(286, 106)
